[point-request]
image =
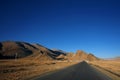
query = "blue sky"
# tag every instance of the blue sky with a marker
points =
(69, 25)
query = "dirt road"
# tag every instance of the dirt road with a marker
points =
(81, 71)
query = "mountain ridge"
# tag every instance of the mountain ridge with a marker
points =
(17, 49)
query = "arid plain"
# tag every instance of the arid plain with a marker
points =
(24, 61)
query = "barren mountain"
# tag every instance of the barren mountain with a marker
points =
(81, 55)
(10, 50)
(15, 49)
(91, 57)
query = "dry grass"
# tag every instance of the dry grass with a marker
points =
(110, 67)
(26, 69)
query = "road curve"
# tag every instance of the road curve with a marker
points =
(81, 71)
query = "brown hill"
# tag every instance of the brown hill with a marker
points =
(43, 53)
(91, 57)
(16, 49)
(61, 57)
(10, 50)
(81, 55)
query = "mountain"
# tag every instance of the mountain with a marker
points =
(60, 55)
(10, 49)
(81, 55)
(17, 50)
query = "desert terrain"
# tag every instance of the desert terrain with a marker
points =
(26, 61)
(27, 69)
(109, 67)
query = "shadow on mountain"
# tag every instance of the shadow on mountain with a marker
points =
(1, 46)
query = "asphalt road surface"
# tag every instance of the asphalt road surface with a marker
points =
(81, 71)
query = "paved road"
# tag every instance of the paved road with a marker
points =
(81, 71)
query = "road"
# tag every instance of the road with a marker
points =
(81, 71)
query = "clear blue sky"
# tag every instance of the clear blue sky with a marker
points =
(69, 25)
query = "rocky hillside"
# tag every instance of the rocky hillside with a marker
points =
(10, 49)
(81, 55)
(16, 50)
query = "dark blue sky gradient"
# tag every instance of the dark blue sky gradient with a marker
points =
(89, 25)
